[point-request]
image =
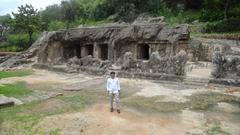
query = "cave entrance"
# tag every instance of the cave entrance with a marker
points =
(78, 51)
(143, 51)
(69, 52)
(89, 50)
(103, 51)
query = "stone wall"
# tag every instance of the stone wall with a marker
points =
(174, 65)
(209, 46)
(226, 65)
(55, 53)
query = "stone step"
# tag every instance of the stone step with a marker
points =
(203, 82)
(195, 81)
(5, 102)
(182, 85)
(167, 82)
(198, 80)
(196, 84)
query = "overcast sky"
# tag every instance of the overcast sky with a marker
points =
(9, 6)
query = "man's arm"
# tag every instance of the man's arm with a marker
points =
(108, 89)
(118, 85)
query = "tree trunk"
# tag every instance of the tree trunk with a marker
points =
(67, 24)
(30, 38)
(226, 9)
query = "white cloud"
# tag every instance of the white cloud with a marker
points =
(9, 6)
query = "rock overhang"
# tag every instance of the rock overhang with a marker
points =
(147, 32)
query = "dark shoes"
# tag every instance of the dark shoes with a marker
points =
(111, 110)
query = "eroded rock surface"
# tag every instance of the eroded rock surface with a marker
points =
(133, 47)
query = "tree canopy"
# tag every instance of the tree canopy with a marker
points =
(27, 20)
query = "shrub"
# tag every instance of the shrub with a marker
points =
(20, 40)
(210, 15)
(16, 42)
(190, 16)
(56, 25)
(231, 25)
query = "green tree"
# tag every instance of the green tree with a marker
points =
(232, 6)
(226, 8)
(51, 13)
(56, 25)
(5, 22)
(71, 11)
(27, 20)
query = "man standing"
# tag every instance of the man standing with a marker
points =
(113, 89)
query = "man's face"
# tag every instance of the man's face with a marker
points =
(112, 76)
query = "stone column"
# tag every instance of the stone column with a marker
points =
(111, 51)
(135, 51)
(83, 51)
(152, 47)
(96, 50)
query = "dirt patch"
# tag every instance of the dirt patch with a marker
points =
(98, 120)
(48, 77)
(50, 106)
(150, 89)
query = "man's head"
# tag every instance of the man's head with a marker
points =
(112, 74)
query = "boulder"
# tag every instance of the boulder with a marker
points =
(226, 66)
(127, 61)
(74, 61)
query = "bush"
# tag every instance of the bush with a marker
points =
(210, 15)
(190, 16)
(91, 22)
(231, 25)
(56, 25)
(16, 42)
(20, 40)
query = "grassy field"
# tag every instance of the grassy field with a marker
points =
(17, 73)
(197, 102)
(230, 36)
(22, 119)
(15, 90)
(12, 118)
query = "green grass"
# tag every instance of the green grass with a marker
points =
(147, 105)
(17, 73)
(15, 90)
(206, 100)
(22, 119)
(214, 128)
(14, 116)
(233, 35)
(54, 132)
(199, 101)
(94, 23)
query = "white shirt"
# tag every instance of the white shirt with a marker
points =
(113, 85)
